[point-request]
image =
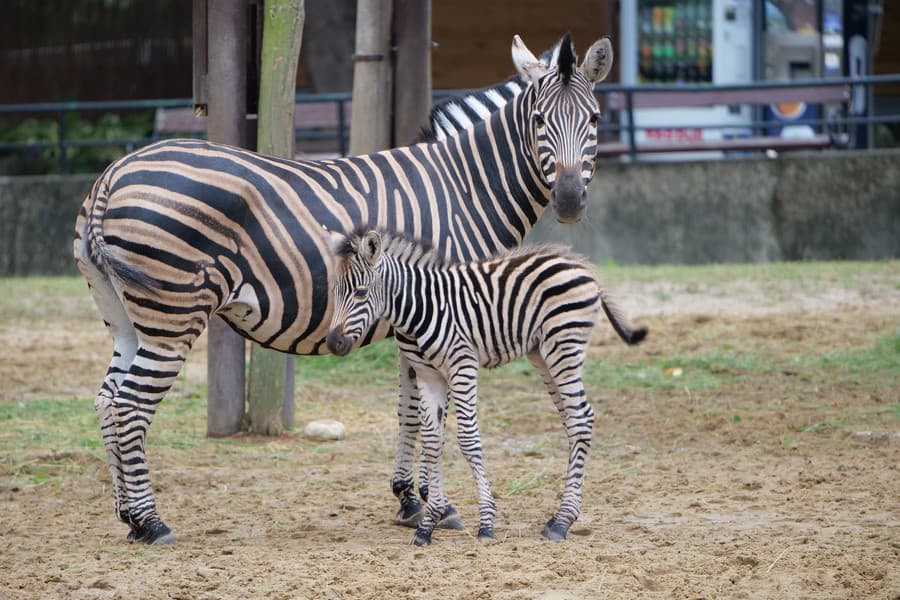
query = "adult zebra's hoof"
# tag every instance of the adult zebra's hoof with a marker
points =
(451, 520)
(485, 534)
(553, 531)
(410, 513)
(159, 534)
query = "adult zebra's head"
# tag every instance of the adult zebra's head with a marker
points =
(564, 117)
(359, 297)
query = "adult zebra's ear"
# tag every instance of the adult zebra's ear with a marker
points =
(598, 61)
(529, 67)
(370, 248)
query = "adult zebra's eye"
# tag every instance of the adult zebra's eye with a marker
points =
(538, 119)
(360, 293)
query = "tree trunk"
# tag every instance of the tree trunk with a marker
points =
(227, 81)
(270, 391)
(370, 121)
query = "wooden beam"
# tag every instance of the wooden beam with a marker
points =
(412, 68)
(227, 105)
(370, 120)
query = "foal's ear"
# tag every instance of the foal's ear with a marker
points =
(598, 61)
(370, 247)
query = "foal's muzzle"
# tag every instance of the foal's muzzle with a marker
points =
(338, 343)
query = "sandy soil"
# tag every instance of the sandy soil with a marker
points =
(781, 484)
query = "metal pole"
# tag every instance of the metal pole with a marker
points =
(63, 159)
(227, 124)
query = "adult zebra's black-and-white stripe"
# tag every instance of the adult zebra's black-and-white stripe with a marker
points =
(451, 318)
(182, 229)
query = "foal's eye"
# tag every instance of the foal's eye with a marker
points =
(595, 118)
(360, 293)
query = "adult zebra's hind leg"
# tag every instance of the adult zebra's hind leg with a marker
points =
(149, 377)
(564, 384)
(120, 328)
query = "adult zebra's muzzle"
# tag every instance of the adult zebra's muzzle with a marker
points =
(569, 196)
(338, 343)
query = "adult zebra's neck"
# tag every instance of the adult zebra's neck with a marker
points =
(504, 172)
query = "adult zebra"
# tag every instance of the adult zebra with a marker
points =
(451, 318)
(182, 229)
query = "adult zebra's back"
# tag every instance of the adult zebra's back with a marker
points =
(182, 229)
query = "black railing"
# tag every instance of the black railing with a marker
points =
(324, 116)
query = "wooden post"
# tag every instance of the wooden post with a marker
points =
(227, 106)
(370, 118)
(412, 68)
(270, 391)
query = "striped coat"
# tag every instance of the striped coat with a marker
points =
(183, 229)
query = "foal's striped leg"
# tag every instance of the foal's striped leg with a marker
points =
(561, 372)
(432, 412)
(463, 391)
(402, 485)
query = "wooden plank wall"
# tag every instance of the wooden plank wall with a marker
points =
(474, 36)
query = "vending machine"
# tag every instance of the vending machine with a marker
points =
(740, 41)
(688, 42)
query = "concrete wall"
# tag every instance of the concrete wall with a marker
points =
(817, 206)
(821, 206)
(37, 223)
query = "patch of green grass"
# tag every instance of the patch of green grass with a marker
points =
(702, 372)
(38, 297)
(370, 365)
(877, 363)
(517, 486)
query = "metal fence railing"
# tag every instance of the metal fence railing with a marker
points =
(324, 118)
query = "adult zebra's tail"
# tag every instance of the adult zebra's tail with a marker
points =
(630, 334)
(97, 250)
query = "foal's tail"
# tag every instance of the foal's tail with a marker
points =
(629, 333)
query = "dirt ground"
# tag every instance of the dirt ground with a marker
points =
(778, 482)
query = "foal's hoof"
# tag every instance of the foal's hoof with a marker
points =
(553, 531)
(421, 538)
(137, 534)
(410, 513)
(450, 520)
(486, 534)
(159, 534)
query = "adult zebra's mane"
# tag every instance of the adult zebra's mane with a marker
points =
(451, 115)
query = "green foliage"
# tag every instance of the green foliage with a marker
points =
(370, 365)
(137, 126)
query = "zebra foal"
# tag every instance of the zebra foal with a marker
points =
(450, 318)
